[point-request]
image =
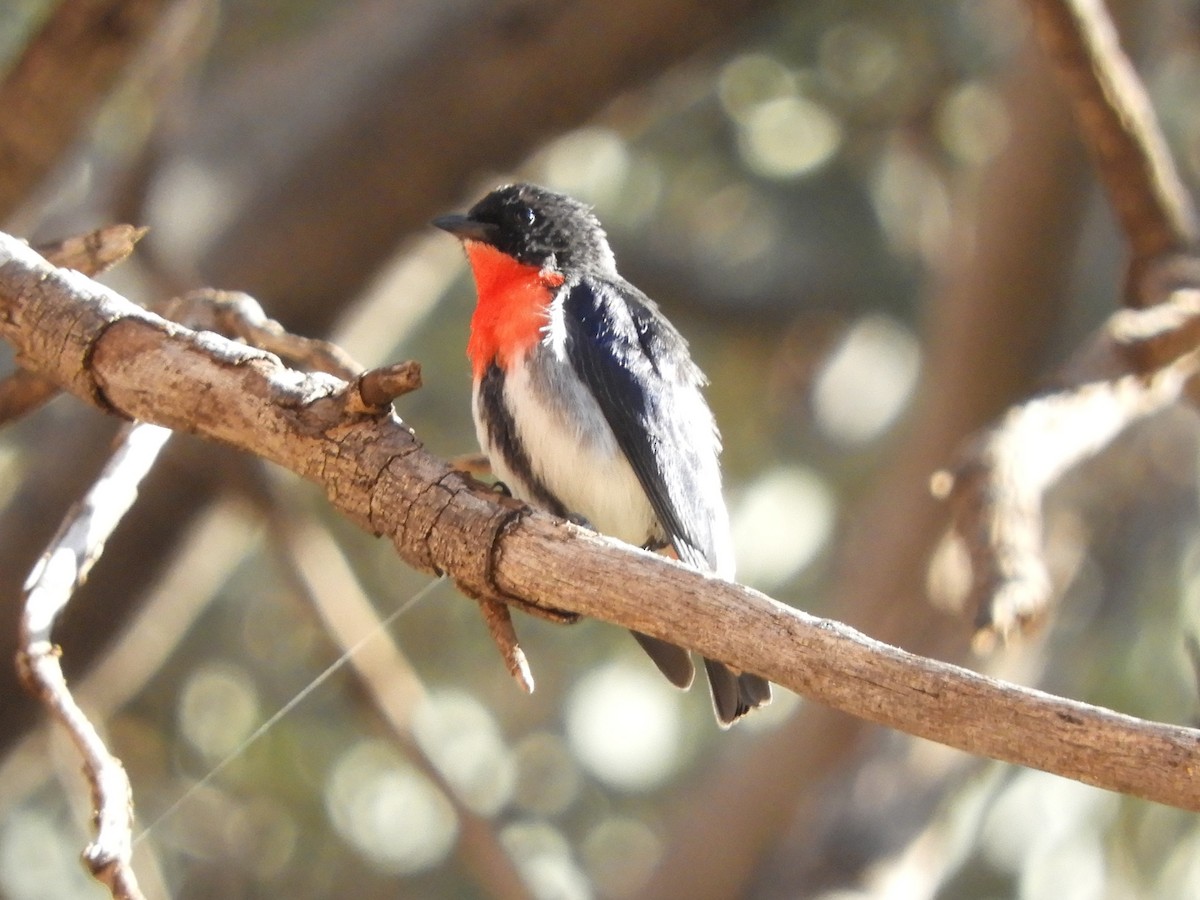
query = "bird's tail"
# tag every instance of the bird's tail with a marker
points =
(672, 661)
(735, 693)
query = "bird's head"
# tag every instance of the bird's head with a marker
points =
(537, 227)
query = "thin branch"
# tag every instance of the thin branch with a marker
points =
(95, 251)
(1119, 127)
(213, 547)
(60, 571)
(80, 542)
(1142, 361)
(374, 470)
(238, 315)
(52, 92)
(999, 492)
(476, 464)
(22, 393)
(504, 635)
(374, 390)
(379, 387)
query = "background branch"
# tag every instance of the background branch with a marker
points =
(989, 315)
(323, 575)
(1140, 363)
(945, 207)
(1119, 127)
(348, 158)
(60, 571)
(53, 90)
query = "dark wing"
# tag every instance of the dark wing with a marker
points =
(637, 366)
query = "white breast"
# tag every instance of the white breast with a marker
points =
(571, 448)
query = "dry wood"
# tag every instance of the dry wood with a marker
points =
(110, 352)
(97, 251)
(1142, 361)
(1118, 126)
(59, 572)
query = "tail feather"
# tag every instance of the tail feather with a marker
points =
(735, 694)
(756, 690)
(672, 661)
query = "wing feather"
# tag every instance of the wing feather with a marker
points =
(637, 367)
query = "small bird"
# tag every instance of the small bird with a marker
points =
(587, 402)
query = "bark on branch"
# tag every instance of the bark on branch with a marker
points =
(116, 355)
(1143, 360)
(59, 572)
(1118, 125)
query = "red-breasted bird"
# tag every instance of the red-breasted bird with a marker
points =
(587, 402)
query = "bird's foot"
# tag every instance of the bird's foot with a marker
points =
(581, 521)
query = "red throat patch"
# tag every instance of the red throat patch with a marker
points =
(512, 309)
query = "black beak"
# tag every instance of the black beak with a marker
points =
(467, 229)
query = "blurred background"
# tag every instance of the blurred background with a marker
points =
(877, 228)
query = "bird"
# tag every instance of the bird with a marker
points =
(587, 402)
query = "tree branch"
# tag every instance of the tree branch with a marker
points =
(97, 251)
(988, 317)
(1141, 362)
(999, 492)
(1118, 125)
(112, 353)
(56, 85)
(62, 569)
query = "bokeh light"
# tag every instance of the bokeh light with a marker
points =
(1182, 865)
(548, 778)
(192, 202)
(38, 859)
(462, 737)
(262, 837)
(973, 123)
(912, 203)
(218, 709)
(781, 521)
(781, 133)
(857, 59)
(543, 856)
(793, 198)
(394, 816)
(620, 854)
(734, 230)
(788, 137)
(1037, 811)
(588, 163)
(866, 381)
(624, 725)
(751, 79)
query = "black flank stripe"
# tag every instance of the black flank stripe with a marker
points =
(507, 442)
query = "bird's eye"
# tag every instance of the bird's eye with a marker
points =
(530, 217)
